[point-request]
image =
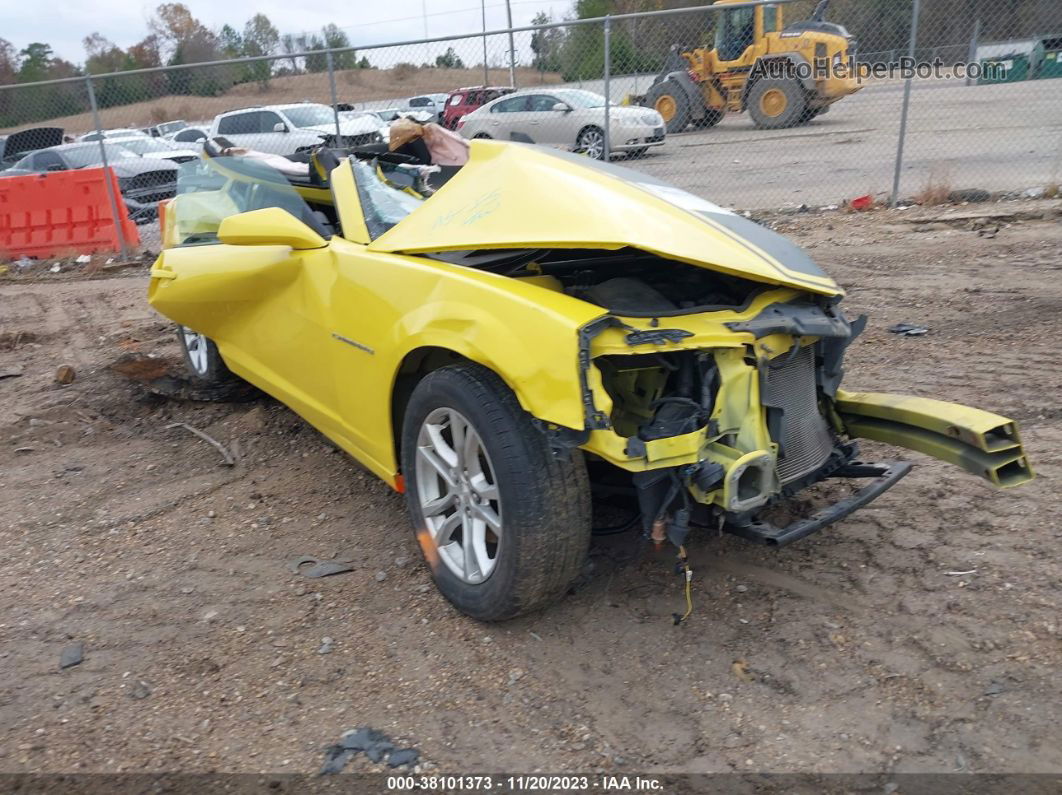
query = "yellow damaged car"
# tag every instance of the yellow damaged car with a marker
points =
(539, 321)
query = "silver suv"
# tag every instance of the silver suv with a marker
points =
(286, 129)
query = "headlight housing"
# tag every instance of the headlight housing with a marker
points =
(654, 119)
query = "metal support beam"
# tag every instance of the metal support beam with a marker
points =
(608, 89)
(915, 8)
(111, 198)
(332, 91)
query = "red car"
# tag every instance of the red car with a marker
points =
(465, 100)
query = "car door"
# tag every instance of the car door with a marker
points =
(48, 161)
(241, 128)
(506, 117)
(263, 303)
(546, 125)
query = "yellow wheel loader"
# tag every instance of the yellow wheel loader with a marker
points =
(783, 76)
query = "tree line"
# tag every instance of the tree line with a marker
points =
(175, 38)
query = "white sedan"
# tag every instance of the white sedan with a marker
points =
(568, 117)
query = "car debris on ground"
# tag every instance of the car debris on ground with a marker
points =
(376, 746)
(908, 330)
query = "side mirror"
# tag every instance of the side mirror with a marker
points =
(280, 127)
(270, 226)
(563, 107)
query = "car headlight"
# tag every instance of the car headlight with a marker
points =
(654, 119)
(377, 138)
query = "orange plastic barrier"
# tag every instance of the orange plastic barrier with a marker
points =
(61, 213)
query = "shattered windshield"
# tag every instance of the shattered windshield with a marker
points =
(385, 195)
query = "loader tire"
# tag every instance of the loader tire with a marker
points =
(670, 101)
(775, 103)
(711, 118)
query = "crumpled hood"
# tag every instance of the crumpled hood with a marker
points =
(518, 196)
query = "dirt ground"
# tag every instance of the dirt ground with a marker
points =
(921, 634)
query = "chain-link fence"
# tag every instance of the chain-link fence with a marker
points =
(752, 105)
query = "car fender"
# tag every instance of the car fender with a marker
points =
(538, 368)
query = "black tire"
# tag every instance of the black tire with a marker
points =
(584, 142)
(711, 118)
(792, 112)
(544, 499)
(208, 368)
(659, 93)
(481, 136)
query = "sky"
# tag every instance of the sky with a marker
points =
(365, 21)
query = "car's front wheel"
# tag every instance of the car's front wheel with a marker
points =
(202, 358)
(503, 520)
(591, 142)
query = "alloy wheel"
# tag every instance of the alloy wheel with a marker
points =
(458, 493)
(198, 355)
(592, 142)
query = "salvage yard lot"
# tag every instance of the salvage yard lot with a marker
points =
(955, 137)
(921, 634)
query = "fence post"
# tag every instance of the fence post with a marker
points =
(608, 88)
(483, 14)
(108, 184)
(332, 91)
(971, 55)
(512, 46)
(915, 8)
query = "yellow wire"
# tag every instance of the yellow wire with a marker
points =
(689, 584)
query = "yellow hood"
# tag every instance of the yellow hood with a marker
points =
(512, 195)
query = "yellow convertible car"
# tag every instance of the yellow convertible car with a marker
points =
(539, 322)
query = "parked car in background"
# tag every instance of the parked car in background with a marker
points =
(191, 134)
(154, 148)
(14, 146)
(425, 103)
(286, 129)
(387, 115)
(382, 127)
(166, 128)
(121, 132)
(569, 117)
(143, 182)
(462, 101)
